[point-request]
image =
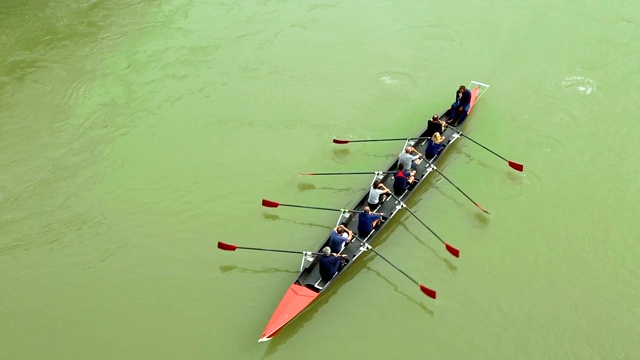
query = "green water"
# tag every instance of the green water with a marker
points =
(134, 135)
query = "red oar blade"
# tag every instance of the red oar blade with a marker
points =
(338, 141)
(269, 203)
(481, 208)
(453, 251)
(516, 166)
(227, 247)
(429, 292)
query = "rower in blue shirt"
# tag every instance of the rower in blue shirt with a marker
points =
(434, 145)
(460, 108)
(330, 263)
(368, 220)
(340, 235)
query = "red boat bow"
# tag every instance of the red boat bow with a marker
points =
(296, 299)
(474, 96)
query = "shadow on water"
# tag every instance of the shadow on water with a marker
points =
(299, 322)
(305, 186)
(341, 153)
(385, 156)
(445, 260)
(405, 295)
(274, 217)
(228, 268)
(482, 218)
(516, 177)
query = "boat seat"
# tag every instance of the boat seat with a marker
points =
(317, 284)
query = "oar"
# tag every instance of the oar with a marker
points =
(514, 165)
(429, 292)
(453, 251)
(454, 185)
(230, 247)
(347, 173)
(342, 142)
(274, 204)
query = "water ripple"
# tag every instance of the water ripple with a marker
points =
(579, 84)
(396, 84)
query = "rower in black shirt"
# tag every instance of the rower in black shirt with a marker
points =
(460, 108)
(434, 125)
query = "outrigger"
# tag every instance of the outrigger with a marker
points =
(308, 285)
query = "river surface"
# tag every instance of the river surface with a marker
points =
(134, 135)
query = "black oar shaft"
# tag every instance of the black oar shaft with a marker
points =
(454, 185)
(317, 208)
(417, 218)
(477, 143)
(374, 140)
(452, 250)
(388, 139)
(349, 173)
(388, 262)
(446, 178)
(276, 250)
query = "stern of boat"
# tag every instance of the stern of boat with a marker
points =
(294, 301)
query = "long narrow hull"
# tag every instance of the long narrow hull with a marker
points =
(309, 285)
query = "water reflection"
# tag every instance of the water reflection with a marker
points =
(410, 298)
(274, 217)
(228, 268)
(340, 153)
(445, 260)
(305, 186)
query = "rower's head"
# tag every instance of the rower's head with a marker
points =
(435, 117)
(401, 166)
(367, 209)
(462, 88)
(437, 138)
(340, 229)
(376, 184)
(326, 251)
(408, 149)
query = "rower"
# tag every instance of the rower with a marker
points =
(347, 234)
(338, 238)
(435, 124)
(435, 144)
(377, 189)
(407, 159)
(330, 263)
(460, 108)
(402, 180)
(367, 220)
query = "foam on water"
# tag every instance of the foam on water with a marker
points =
(579, 84)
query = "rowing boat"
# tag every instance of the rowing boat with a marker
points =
(308, 285)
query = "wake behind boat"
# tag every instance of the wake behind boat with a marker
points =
(309, 284)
